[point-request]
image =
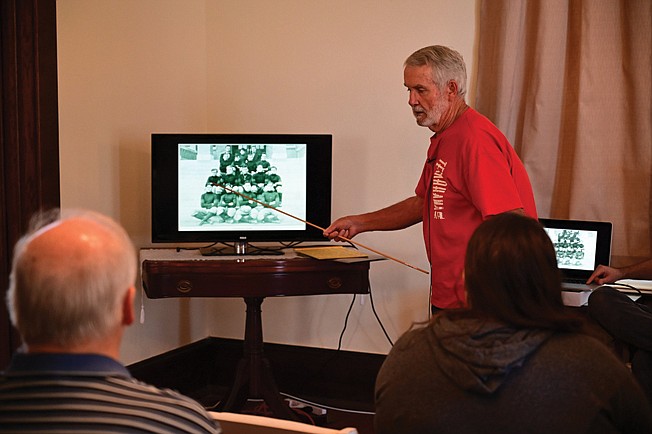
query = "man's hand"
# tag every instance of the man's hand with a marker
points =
(604, 274)
(347, 227)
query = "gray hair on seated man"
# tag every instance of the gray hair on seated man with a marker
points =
(72, 280)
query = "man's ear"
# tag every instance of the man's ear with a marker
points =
(452, 88)
(128, 314)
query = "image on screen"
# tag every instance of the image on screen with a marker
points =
(575, 249)
(212, 175)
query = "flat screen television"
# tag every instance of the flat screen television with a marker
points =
(228, 188)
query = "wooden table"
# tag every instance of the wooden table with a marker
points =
(171, 273)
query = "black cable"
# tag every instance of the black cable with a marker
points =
(624, 285)
(194, 248)
(289, 244)
(267, 249)
(429, 243)
(429, 316)
(346, 320)
(373, 308)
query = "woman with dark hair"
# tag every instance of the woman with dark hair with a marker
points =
(514, 360)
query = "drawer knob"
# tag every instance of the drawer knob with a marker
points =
(334, 283)
(184, 286)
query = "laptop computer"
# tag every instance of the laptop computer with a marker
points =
(580, 247)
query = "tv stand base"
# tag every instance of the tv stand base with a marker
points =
(238, 248)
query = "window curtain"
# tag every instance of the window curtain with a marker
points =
(569, 83)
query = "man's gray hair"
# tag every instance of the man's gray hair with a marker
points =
(446, 63)
(64, 300)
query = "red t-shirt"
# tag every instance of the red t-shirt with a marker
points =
(472, 172)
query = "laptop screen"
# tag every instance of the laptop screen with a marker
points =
(580, 245)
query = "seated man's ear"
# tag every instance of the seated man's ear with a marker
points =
(128, 314)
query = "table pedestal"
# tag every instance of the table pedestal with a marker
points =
(253, 378)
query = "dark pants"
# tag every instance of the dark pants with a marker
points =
(630, 323)
(435, 309)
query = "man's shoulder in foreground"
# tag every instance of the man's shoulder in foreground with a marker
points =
(90, 391)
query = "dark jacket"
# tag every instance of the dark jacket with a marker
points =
(469, 376)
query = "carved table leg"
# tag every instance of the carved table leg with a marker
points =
(254, 377)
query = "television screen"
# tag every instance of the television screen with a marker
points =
(240, 187)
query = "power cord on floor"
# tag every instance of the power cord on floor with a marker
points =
(327, 407)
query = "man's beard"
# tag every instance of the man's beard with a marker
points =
(433, 117)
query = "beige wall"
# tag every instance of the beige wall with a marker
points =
(128, 68)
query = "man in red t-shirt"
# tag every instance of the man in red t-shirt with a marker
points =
(471, 173)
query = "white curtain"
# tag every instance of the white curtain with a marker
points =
(569, 83)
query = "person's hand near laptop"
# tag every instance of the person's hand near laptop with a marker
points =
(604, 274)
